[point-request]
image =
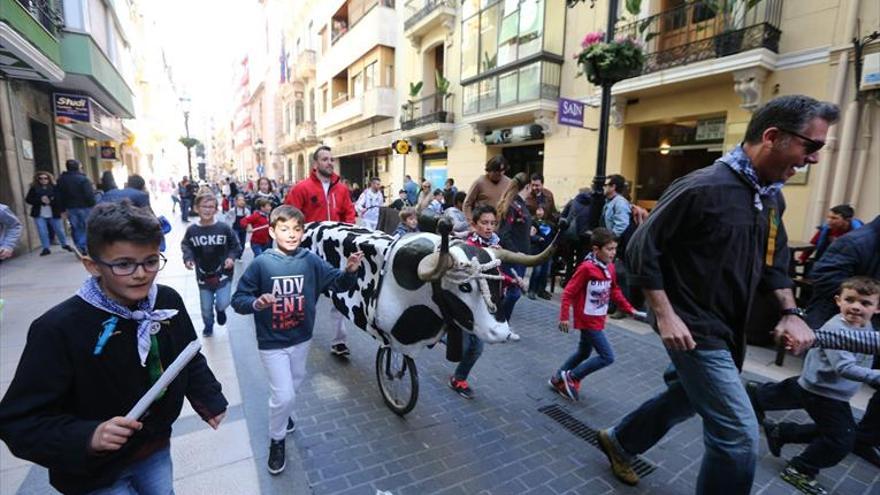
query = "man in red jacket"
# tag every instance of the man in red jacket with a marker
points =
(321, 197)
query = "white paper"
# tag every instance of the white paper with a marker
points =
(188, 353)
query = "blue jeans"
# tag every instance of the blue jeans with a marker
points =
(43, 230)
(77, 218)
(472, 348)
(538, 280)
(705, 383)
(259, 248)
(150, 476)
(185, 204)
(218, 298)
(578, 363)
(513, 292)
(242, 237)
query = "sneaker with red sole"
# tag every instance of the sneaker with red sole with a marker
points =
(558, 386)
(572, 386)
(461, 387)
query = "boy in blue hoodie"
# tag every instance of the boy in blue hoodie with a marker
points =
(281, 288)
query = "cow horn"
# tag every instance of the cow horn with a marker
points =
(433, 266)
(513, 258)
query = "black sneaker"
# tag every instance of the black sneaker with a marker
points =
(221, 317)
(803, 482)
(291, 425)
(340, 349)
(461, 387)
(45, 252)
(774, 439)
(208, 331)
(66, 248)
(752, 391)
(277, 458)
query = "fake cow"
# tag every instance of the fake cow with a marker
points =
(413, 289)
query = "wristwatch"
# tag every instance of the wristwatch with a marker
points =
(799, 312)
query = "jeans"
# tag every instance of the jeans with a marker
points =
(43, 230)
(150, 476)
(285, 369)
(704, 382)
(538, 280)
(579, 364)
(218, 298)
(514, 292)
(242, 237)
(77, 218)
(259, 248)
(471, 349)
(185, 204)
(830, 438)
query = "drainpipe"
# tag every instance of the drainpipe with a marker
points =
(819, 202)
(862, 163)
(845, 156)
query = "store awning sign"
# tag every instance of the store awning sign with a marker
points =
(71, 108)
(571, 112)
(710, 129)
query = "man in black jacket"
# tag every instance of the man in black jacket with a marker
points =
(855, 253)
(715, 235)
(77, 197)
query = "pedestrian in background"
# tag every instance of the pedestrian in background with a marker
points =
(46, 211)
(840, 220)
(259, 223)
(488, 188)
(409, 222)
(368, 204)
(542, 233)
(514, 228)
(412, 190)
(210, 248)
(135, 191)
(264, 191)
(76, 197)
(10, 232)
(402, 201)
(234, 216)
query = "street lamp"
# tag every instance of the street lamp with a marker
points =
(185, 104)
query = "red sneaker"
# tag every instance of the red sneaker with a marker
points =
(461, 387)
(572, 386)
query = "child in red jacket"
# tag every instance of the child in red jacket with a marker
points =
(259, 222)
(594, 283)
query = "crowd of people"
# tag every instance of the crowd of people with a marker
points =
(691, 267)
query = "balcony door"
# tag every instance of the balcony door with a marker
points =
(683, 22)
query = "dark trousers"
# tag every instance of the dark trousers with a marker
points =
(869, 428)
(832, 435)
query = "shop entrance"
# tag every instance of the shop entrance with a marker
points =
(42, 146)
(359, 168)
(528, 159)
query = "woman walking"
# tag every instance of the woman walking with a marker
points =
(45, 211)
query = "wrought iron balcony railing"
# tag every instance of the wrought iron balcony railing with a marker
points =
(427, 6)
(698, 31)
(45, 13)
(428, 110)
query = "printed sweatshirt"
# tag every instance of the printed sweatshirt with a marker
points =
(208, 246)
(296, 280)
(588, 291)
(836, 374)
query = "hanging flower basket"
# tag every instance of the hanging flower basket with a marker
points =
(608, 63)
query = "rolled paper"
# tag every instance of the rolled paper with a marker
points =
(174, 369)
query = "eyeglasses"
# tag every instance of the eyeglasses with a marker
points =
(43, 178)
(125, 268)
(810, 145)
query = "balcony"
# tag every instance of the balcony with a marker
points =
(305, 65)
(88, 69)
(425, 15)
(374, 104)
(529, 81)
(694, 32)
(376, 27)
(306, 133)
(29, 39)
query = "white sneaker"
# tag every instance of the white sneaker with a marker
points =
(514, 337)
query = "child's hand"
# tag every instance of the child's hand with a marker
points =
(229, 263)
(113, 433)
(264, 302)
(216, 420)
(354, 261)
(189, 265)
(563, 326)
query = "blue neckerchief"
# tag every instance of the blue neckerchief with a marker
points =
(737, 160)
(596, 261)
(148, 318)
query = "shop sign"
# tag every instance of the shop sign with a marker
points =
(108, 153)
(571, 112)
(710, 130)
(70, 108)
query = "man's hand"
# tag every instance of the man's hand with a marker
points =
(563, 326)
(675, 334)
(189, 265)
(354, 261)
(216, 420)
(113, 433)
(264, 302)
(794, 333)
(229, 263)
(5, 253)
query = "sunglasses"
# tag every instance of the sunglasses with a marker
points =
(810, 145)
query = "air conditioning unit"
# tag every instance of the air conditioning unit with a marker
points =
(870, 72)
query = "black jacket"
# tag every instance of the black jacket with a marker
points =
(61, 392)
(34, 198)
(708, 247)
(75, 190)
(514, 228)
(856, 253)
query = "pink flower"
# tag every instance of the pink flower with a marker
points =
(592, 39)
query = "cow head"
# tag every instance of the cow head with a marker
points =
(467, 283)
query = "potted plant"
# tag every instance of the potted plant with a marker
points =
(442, 95)
(608, 62)
(408, 108)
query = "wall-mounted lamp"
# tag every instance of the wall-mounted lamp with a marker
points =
(665, 147)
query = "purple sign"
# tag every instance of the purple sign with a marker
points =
(571, 112)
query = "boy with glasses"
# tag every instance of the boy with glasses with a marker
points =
(88, 360)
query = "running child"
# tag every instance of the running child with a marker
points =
(259, 222)
(234, 216)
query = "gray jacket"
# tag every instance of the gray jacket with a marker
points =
(10, 228)
(836, 374)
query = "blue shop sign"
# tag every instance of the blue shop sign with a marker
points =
(69, 108)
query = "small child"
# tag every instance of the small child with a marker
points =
(88, 360)
(460, 224)
(436, 204)
(827, 383)
(409, 222)
(234, 216)
(259, 222)
(541, 237)
(210, 247)
(281, 289)
(593, 285)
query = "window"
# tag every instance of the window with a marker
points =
(389, 76)
(530, 82)
(299, 116)
(531, 27)
(370, 76)
(326, 100)
(488, 95)
(489, 38)
(470, 101)
(470, 47)
(357, 85)
(312, 104)
(507, 89)
(73, 14)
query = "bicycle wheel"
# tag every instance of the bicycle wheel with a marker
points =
(398, 380)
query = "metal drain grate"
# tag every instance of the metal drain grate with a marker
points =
(589, 435)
